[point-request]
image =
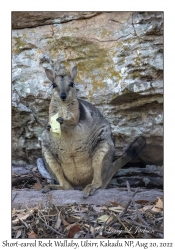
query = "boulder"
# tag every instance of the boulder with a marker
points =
(119, 56)
(23, 198)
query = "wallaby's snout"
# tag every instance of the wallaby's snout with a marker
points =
(63, 96)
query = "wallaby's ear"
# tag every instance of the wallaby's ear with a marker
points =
(73, 73)
(50, 74)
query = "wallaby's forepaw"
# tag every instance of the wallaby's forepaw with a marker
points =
(60, 120)
(48, 127)
(46, 189)
(89, 190)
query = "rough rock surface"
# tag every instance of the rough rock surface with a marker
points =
(150, 177)
(32, 198)
(120, 69)
(33, 19)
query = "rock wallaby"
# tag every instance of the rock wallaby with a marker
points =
(84, 153)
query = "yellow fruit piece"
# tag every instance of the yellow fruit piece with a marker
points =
(55, 126)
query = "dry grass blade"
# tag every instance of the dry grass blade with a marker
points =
(14, 197)
(55, 231)
(128, 187)
(125, 210)
(17, 227)
(124, 226)
(58, 222)
(25, 224)
(118, 209)
(18, 234)
(139, 215)
(103, 218)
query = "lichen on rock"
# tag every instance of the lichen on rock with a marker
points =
(119, 56)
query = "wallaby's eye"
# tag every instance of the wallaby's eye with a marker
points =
(54, 85)
(71, 84)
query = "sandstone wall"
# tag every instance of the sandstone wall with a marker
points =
(120, 70)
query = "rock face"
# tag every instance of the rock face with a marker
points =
(119, 56)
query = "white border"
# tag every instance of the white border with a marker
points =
(5, 94)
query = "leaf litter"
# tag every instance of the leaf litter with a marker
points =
(136, 220)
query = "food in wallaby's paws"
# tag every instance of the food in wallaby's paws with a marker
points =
(55, 125)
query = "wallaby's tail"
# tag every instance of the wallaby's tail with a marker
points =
(136, 147)
(131, 152)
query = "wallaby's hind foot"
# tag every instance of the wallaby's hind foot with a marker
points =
(89, 190)
(47, 188)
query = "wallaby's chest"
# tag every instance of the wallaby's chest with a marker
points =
(75, 159)
(71, 145)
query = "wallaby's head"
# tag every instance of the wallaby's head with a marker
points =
(63, 86)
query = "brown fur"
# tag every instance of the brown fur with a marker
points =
(83, 155)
